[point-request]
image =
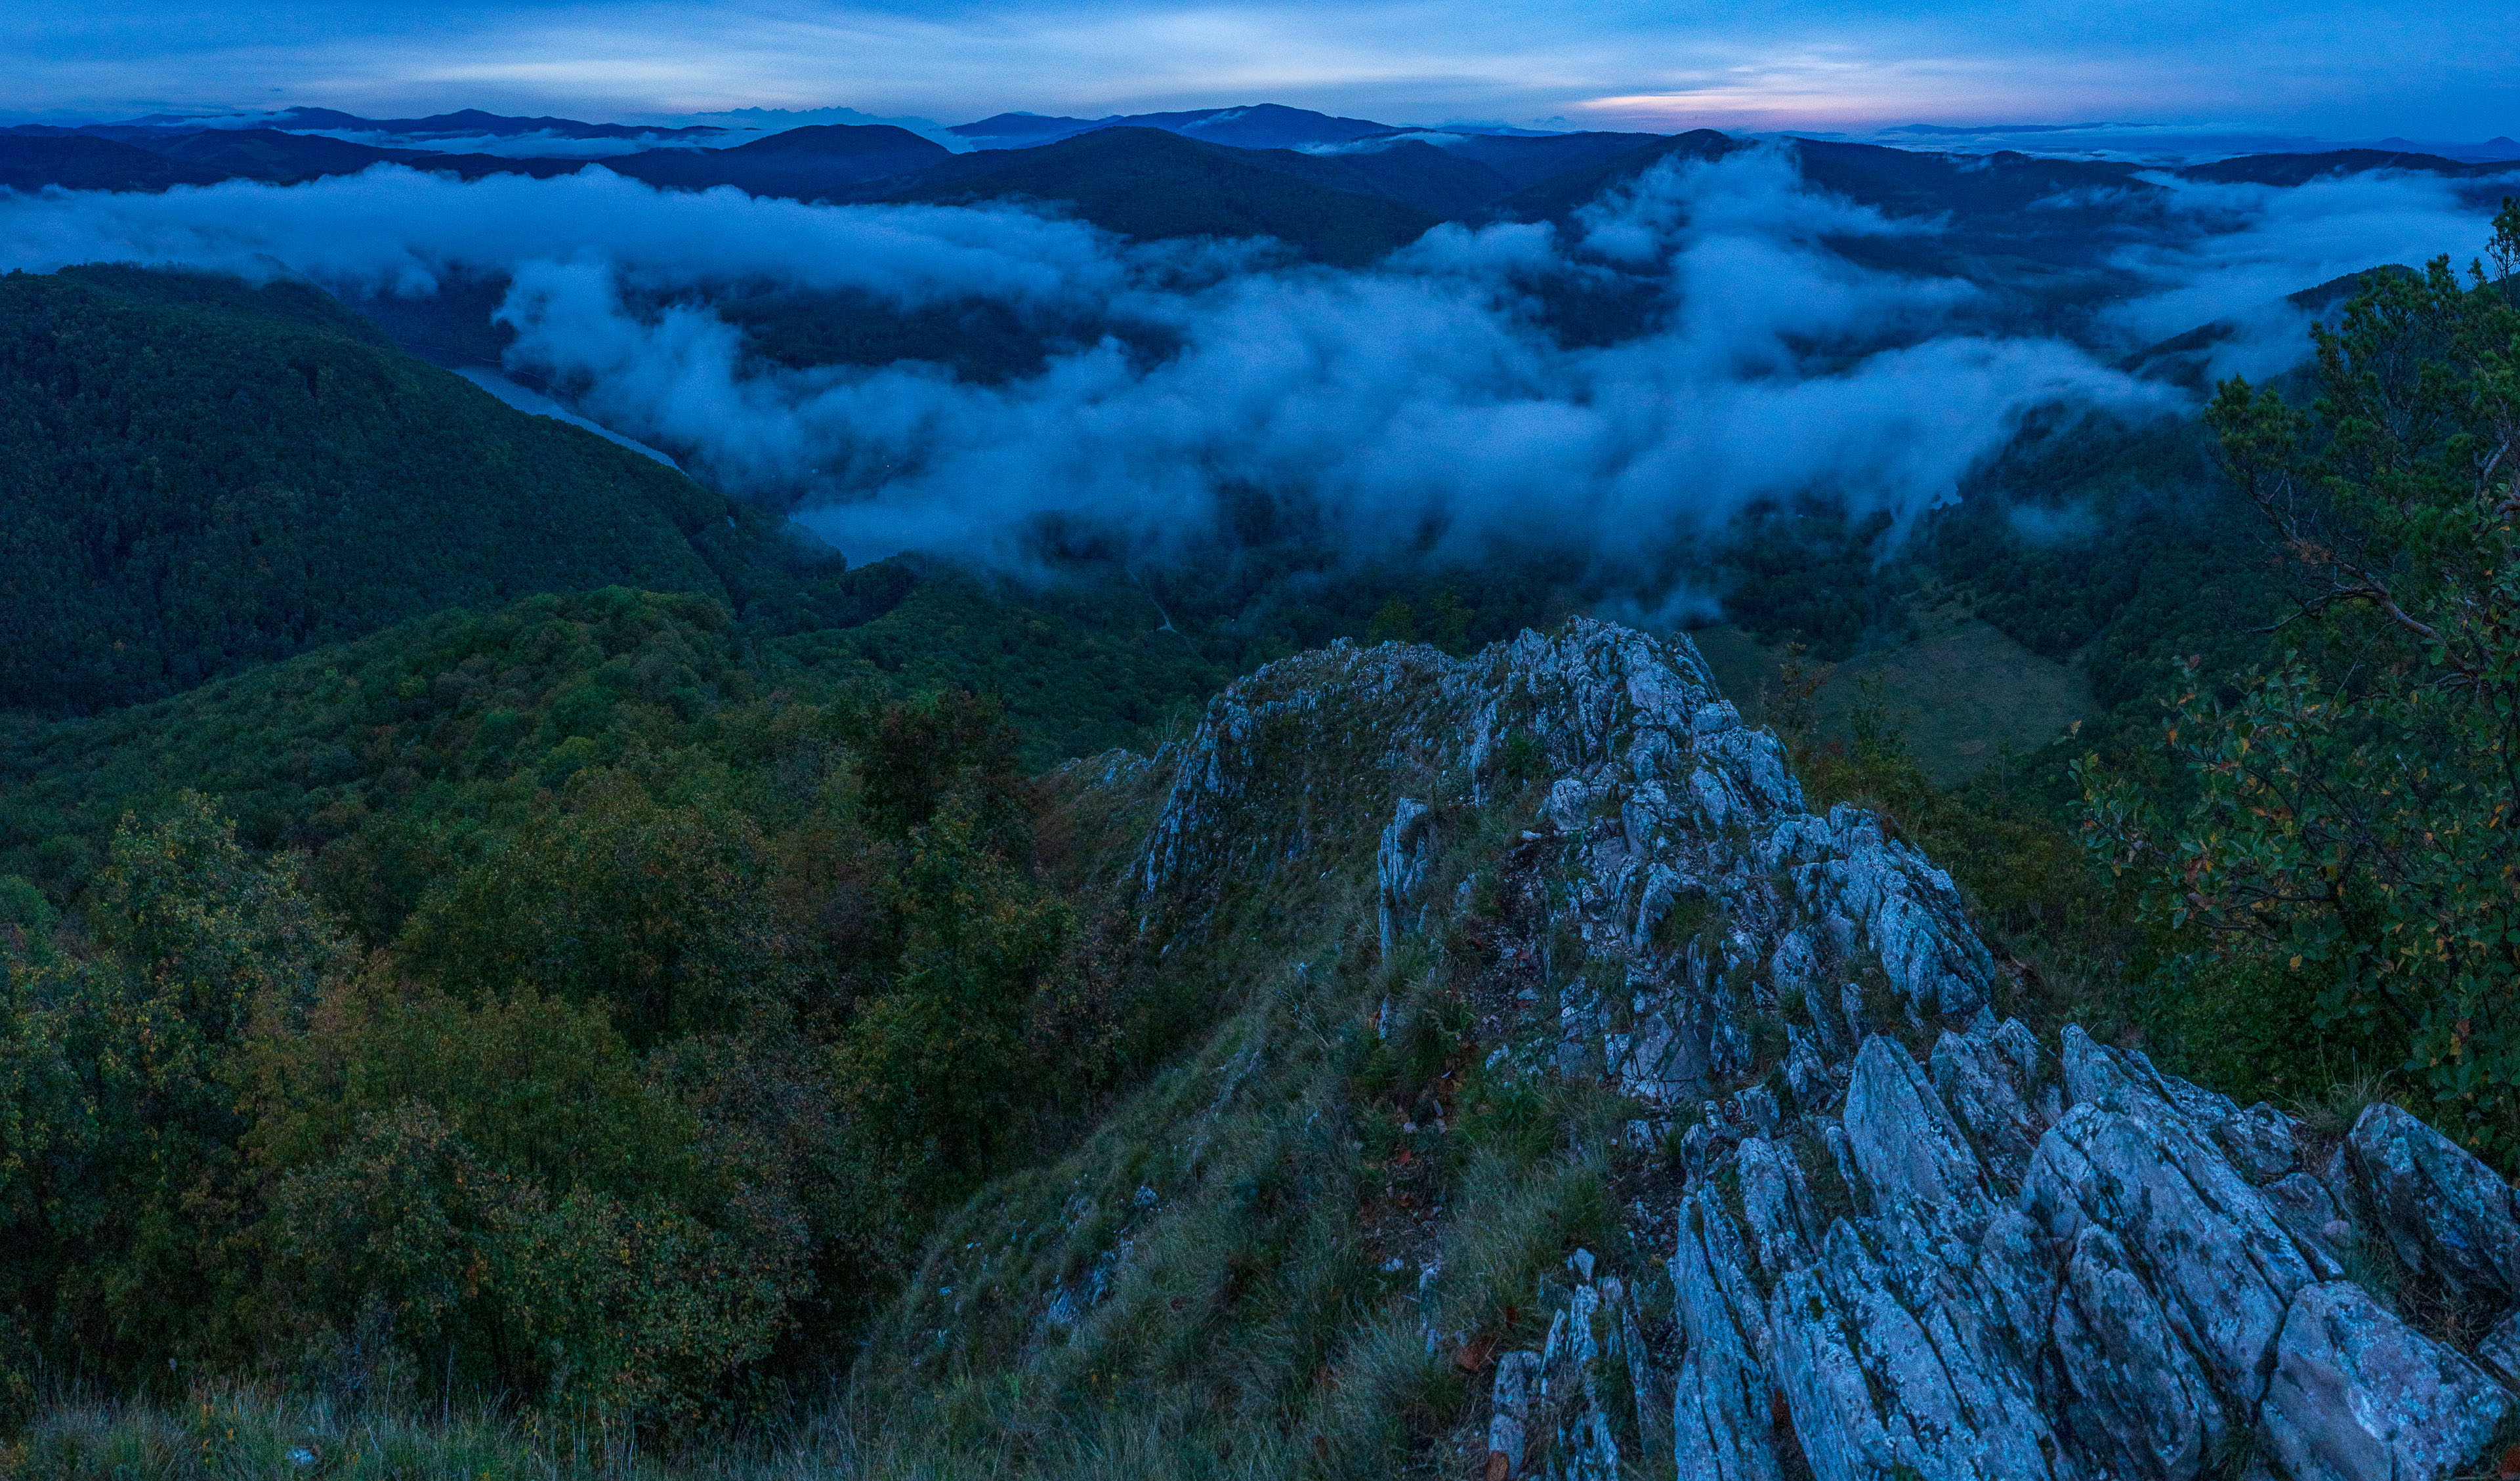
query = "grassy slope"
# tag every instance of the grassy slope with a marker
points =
(1263, 1181)
(1962, 688)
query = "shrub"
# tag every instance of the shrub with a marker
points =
(2345, 806)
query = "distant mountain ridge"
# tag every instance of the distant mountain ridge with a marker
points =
(2037, 230)
(2502, 149)
(464, 123)
(472, 121)
(1148, 183)
(2301, 169)
(805, 163)
(81, 163)
(263, 153)
(1265, 125)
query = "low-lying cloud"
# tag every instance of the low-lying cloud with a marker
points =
(399, 231)
(2237, 251)
(1409, 405)
(1422, 404)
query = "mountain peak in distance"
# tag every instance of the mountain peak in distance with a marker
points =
(1258, 125)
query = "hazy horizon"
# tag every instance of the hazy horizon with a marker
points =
(2308, 72)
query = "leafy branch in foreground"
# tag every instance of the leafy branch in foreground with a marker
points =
(2351, 834)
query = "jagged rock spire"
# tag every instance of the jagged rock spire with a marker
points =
(1910, 1239)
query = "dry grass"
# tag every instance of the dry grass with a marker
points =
(1966, 691)
(234, 1432)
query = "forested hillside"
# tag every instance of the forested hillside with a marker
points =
(205, 474)
(1146, 183)
(698, 1002)
(513, 968)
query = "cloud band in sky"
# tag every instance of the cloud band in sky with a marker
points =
(2341, 69)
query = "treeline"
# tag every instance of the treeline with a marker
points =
(2299, 617)
(2339, 844)
(596, 1001)
(602, 1030)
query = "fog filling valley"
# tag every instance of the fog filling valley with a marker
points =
(1425, 404)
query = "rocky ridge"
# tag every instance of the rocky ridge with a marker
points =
(1903, 1236)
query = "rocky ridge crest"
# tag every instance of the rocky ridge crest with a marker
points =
(1903, 1236)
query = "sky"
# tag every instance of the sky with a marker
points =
(2341, 71)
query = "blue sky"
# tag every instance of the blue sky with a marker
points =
(2331, 70)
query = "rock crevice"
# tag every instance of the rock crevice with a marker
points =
(1910, 1239)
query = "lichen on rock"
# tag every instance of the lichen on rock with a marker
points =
(1905, 1235)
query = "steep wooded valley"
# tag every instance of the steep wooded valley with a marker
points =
(531, 956)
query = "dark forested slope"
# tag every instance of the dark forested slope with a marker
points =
(802, 162)
(203, 474)
(82, 164)
(2301, 169)
(1146, 183)
(264, 154)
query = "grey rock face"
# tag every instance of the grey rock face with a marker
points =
(2446, 1212)
(1399, 867)
(1906, 1143)
(1722, 1409)
(2004, 1259)
(2499, 1352)
(2134, 1396)
(2129, 1305)
(2357, 1395)
(1554, 1400)
(1509, 1426)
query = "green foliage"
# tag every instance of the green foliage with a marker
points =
(2350, 807)
(28, 923)
(223, 935)
(1393, 622)
(120, 1144)
(913, 756)
(1811, 575)
(1079, 667)
(939, 1060)
(1447, 623)
(205, 475)
(2235, 1021)
(391, 761)
(606, 1273)
(2087, 524)
(700, 1016)
(607, 895)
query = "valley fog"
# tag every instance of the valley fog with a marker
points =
(1769, 340)
(1206, 793)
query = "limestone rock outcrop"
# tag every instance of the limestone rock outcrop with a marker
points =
(1912, 1238)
